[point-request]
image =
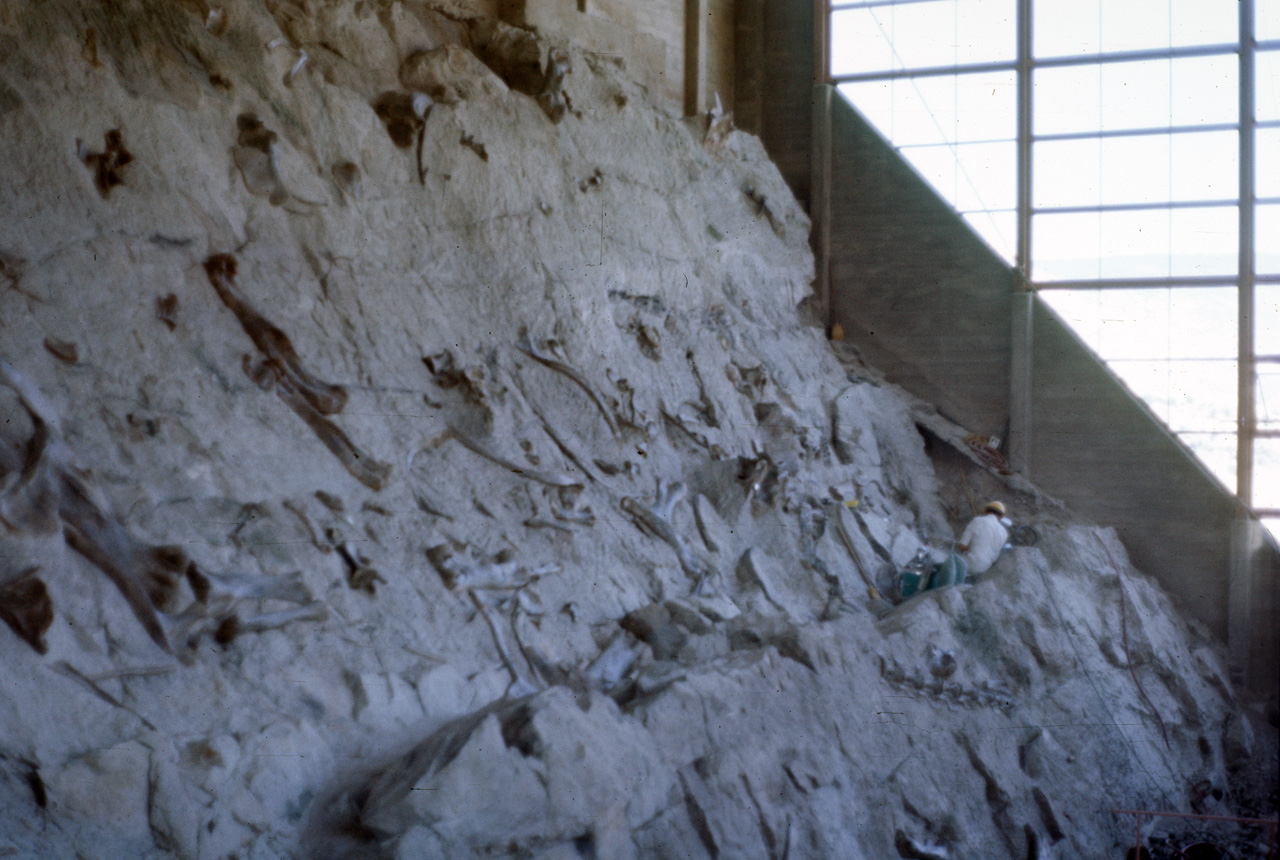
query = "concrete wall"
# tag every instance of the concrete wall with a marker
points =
(1099, 449)
(919, 293)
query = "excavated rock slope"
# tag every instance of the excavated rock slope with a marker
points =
(411, 448)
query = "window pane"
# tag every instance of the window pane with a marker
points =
(860, 42)
(986, 106)
(924, 34)
(1267, 396)
(1149, 381)
(1065, 173)
(1266, 20)
(1133, 324)
(1218, 452)
(1266, 473)
(874, 100)
(1135, 169)
(1206, 22)
(1205, 241)
(1080, 310)
(937, 164)
(1135, 24)
(1203, 324)
(1205, 166)
(1266, 151)
(1195, 396)
(1266, 230)
(986, 31)
(1266, 323)
(1135, 243)
(1267, 87)
(1135, 95)
(999, 229)
(1205, 90)
(987, 176)
(1066, 99)
(1065, 246)
(1066, 27)
(970, 176)
(1202, 396)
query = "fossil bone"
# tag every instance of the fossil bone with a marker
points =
(63, 350)
(549, 478)
(167, 311)
(488, 607)
(309, 397)
(656, 520)
(256, 156)
(108, 164)
(553, 100)
(147, 576)
(360, 575)
(25, 606)
(528, 346)
(300, 512)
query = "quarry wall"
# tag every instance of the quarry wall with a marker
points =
(414, 443)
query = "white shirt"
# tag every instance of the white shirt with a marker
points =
(985, 536)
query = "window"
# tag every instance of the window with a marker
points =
(1133, 210)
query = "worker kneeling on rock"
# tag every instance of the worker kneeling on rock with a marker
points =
(983, 539)
(977, 549)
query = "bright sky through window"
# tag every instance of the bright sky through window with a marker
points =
(1135, 164)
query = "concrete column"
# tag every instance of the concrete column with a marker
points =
(1020, 381)
(695, 64)
(820, 195)
(1246, 540)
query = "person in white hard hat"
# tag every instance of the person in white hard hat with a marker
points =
(983, 539)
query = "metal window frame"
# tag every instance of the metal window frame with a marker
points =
(1024, 65)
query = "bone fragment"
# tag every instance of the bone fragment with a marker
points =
(542, 523)
(301, 513)
(488, 453)
(25, 606)
(325, 398)
(167, 311)
(311, 398)
(527, 345)
(520, 685)
(63, 350)
(296, 68)
(245, 586)
(65, 668)
(462, 570)
(656, 520)
(147, 576)
(255, 153)
(553, 100)
(614, 662)
(314, 611)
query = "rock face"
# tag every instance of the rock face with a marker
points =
(401, 474)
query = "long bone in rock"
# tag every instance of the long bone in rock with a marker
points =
(529, 347)
(656, 520)
(311, 398)
(549, 478)
(488, 607)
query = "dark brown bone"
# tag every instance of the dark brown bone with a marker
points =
(25, 606)
(324, 398)
(107, 165)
